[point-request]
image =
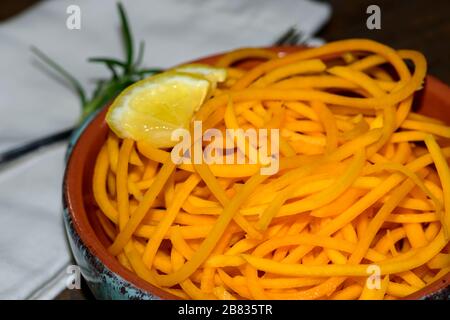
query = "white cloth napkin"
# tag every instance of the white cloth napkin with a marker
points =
(33, 249)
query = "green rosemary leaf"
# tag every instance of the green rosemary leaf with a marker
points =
(127, 38)
(148, 71)
(99, 87)
(113, 71)
(110, 64)
(62, 72)
(108, 92)
(111, 61)
(140, 55)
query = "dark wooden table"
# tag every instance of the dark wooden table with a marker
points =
(422, 25)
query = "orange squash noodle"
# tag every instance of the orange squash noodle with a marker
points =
(363, 181)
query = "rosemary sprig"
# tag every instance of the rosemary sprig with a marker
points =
(127, 38)
(123, 73)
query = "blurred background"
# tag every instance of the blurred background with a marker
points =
(419, 24)
(33, 102)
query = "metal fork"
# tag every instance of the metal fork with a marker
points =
(290, 37)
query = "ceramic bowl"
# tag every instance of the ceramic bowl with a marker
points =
(105, 276)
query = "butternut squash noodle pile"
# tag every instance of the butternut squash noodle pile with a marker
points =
(363, 182)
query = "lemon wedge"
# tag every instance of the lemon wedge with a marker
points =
(152, 108)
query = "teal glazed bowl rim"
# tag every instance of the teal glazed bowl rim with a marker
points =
(105, 276)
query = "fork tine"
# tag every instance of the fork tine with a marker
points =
(285, 37)
(296, 38)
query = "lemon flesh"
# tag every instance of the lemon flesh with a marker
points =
(152, 108)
